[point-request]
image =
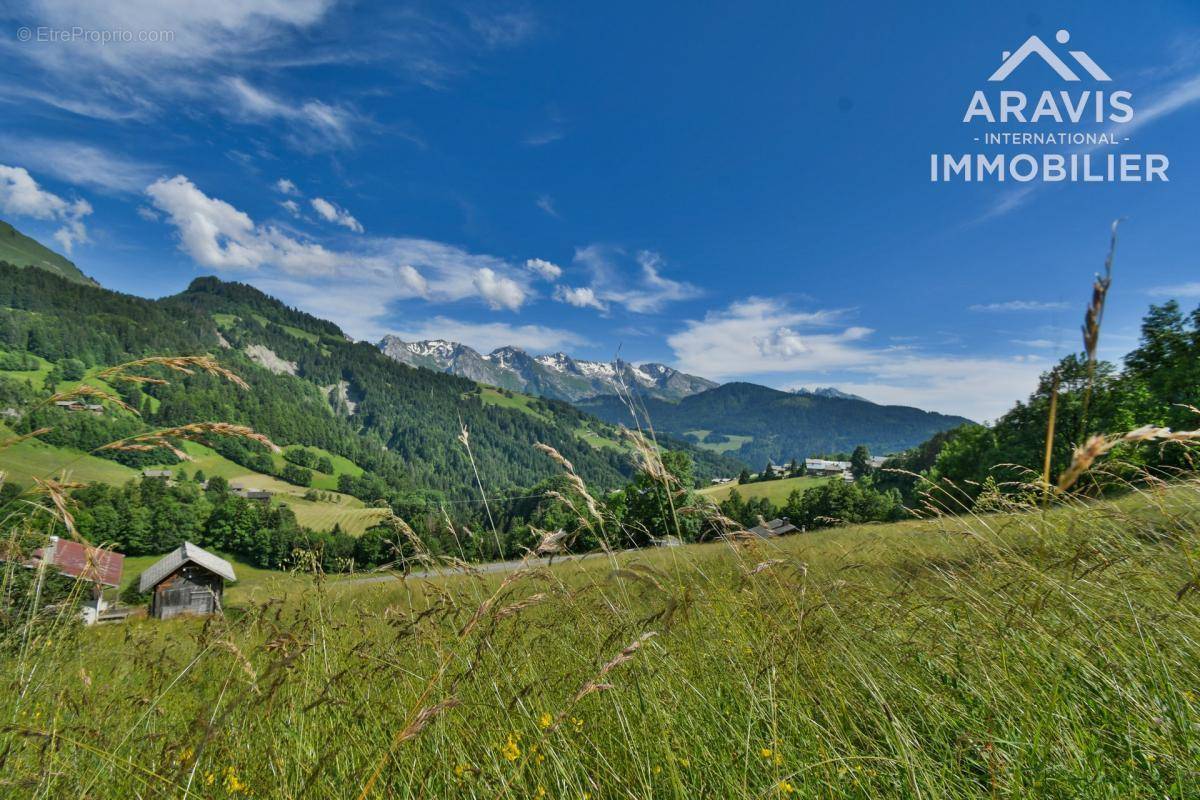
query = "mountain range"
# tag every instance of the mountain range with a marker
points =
(756, 424)
(557, 376)
(314, 386)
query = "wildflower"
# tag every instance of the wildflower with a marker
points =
(785, 787)
(185, 756)
(657, 769)
(541, 791)
(766, 752)
(459, 770)
(683, 762)
(545, 720)
(577, 722)
(511, 750)
(233, 784)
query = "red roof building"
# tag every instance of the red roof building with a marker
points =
(77, 560)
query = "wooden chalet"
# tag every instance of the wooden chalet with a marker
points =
(188, 580)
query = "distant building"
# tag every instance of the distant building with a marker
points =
(878, 461)
(188, 580)
(775, 527)
(76, 405)
(821, 466)
(158, 473)
(259, 495)
(102, 568)
(717, 481)
(668, 541)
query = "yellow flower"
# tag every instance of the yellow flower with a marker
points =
(778, 759)
(657, 769)
(209, 777)
(233, 784)
(186, 755)
(541, 791)
(785, 787)
(511, 750)
(766, 752)
(545, 720)
(459, 770)
(683, 762)
(577, 722)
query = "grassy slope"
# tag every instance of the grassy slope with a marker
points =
(18, 249)
(31, 458)
(346, 511)
(1016, 655)
(775, 491)
(26, 460)
(36, 377)
(733, 443)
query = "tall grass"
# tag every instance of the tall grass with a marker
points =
(1015, 653)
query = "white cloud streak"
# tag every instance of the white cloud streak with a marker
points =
(335, 214)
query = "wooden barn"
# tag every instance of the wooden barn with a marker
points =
(186, 581)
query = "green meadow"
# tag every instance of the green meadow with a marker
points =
(1025, 653)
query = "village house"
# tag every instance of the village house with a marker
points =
(97, 566)
(824, 467)
(188, 580)
(775, 527)
(258, 495)
(76, 405)
(158, 473)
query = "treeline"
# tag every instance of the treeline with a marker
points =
(1159, 385)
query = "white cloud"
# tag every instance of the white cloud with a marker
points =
(285, 186)
(291, 206)
(648, 292)
(355, 287)
(546, 203)
(20, 195)
(581, 297)
(313, 124)
(412, 280)
(148, 214)
(81, 164)
(487, 336)
(219, 236)
(1020, 305)
(1179, 290)
(1040, 344)
(545, 270)
(763, 337)
(498, 291)
(338, 216)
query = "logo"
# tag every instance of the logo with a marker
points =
(1080, 131)
(1035, 46)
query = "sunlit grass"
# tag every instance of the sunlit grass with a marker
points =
(1017, 654)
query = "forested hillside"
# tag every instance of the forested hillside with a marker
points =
(755, 423)
(309, 385)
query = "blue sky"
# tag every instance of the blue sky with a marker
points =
(742, 193)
